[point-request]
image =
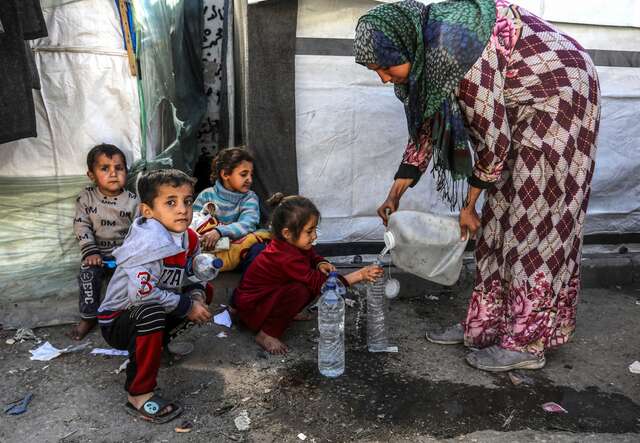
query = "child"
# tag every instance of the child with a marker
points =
(288, 274)
(104, 212)
(230, 210)
(152, 291)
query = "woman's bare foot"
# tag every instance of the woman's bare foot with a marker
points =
(271, 344)
(80, 331)
(303, 316)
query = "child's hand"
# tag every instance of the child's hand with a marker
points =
(209, 240)
(326, 267)
(199, 313)
(371, 273)
(92, 260)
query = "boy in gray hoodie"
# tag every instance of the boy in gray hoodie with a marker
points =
(153, 290)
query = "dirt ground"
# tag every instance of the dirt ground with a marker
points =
(423, 393)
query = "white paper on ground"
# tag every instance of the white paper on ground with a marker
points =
(635, 367)
(223, 319)
(48, 352)
(222, 334)
(108, 351)
(45, 352)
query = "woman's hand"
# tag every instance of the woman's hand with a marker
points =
(469, 223)
(390, 205)
(325, 267)
(469, 220)
(209, 240)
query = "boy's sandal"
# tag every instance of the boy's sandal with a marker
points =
(152, 409)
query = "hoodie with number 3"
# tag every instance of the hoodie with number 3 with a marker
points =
(154, 266)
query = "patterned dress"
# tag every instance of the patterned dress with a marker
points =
(531, 104)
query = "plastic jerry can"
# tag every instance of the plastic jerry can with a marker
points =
(427, 245)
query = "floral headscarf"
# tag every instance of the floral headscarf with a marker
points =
(441, 41)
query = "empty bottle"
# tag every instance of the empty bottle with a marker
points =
(206, 267)
(427, 245)
(331, 328)
(376, 330)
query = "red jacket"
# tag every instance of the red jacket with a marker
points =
(279, 264)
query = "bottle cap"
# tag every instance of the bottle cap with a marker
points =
(217, 263)
(389, 240)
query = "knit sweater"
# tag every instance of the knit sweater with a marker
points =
(238, 213)
(279, 264)
(102, 222)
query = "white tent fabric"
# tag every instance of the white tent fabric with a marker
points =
(351, 129)
(88, 97)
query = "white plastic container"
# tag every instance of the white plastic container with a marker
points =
(427, 245)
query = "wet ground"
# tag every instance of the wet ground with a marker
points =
(424, 392)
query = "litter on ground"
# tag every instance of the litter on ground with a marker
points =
(554, 407)
(109, 351)
(47, 351)
(19, 406)
(635, 367)
(223, 319)
(242, 421)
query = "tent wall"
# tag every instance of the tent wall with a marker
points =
(270, 95)
(88, 97)
(351, 131)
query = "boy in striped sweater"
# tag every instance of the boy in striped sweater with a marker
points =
(237, 211)
(104, 212)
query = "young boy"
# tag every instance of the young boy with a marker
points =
(153, 290)
(104, 212)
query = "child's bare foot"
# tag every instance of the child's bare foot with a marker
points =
(271, 344)
(80, 331)
(303, 316)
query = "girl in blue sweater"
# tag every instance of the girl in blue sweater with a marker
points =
(237, 209)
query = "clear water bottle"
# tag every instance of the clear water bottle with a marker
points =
(206, 267)
(331, 328)
(333, 277)
(377, 340)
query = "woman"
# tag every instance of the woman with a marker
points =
(525, 98)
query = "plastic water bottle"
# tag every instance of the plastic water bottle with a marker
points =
(206, 267)
(376, 330)
(331, 328)
(333, 277)
(109, 262)
(427, 245)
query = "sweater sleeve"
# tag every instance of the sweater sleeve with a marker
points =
(416, 157)
(315, 258)
(83, 227)
(204, 197)
(248, 219)
(297, 269)
(143, 288)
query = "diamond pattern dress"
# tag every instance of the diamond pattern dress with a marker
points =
(532, 104)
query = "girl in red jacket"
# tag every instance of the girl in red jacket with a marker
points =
(288, 274)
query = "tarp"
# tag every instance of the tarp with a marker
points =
(89, 96)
